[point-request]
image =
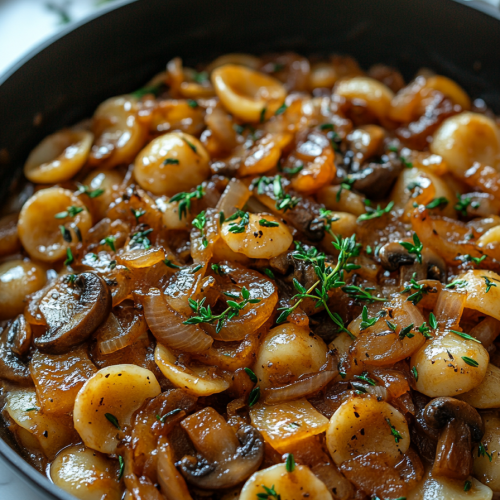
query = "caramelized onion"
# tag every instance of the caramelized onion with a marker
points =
(140, 258)
(121, 329)
(449, 308)
(299, 389)
(486, 331)
(233, 198)
(173, 486)
(168, 327)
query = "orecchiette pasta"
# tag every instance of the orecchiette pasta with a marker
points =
(267, 277)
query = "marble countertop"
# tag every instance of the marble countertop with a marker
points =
(23, 25)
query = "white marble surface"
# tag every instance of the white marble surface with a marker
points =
(23, 25)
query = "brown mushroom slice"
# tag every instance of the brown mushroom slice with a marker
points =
(12, 368)
(376, 179)
(436, 266)
(224, 458)
(393, 256)
(461, 426)
(20, 335)
(73, 311)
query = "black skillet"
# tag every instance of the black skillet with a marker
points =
(117, 51)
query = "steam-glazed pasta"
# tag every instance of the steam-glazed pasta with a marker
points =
(263, 278)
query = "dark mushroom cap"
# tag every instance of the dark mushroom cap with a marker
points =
(436, 266)
(376, 180)
(228, 471)
(393, 256)
(19, 335)
(90, 304)
(442, 410)
(11, 366)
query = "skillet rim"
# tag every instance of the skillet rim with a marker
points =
(14, 461)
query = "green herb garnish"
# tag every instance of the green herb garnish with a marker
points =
(184, 200)
(415, 249)
(251, 375)
(374, 213)
(470, 361)
(440, 203)
(113, 420)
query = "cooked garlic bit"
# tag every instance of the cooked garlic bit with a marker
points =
(18, 279)
(106, 402)
(449, 365)
(263, 237)
(172, 163)
(465, 139)
(375, 95)
(108, 182)
(46, 216)
(477, 298)
(199, 380)
(86, 474)
(246, 93)
(487, 393)
(287, 352)
(119, 135)
(58, 157)
(301, 483)
(442, 488)
(363, 425)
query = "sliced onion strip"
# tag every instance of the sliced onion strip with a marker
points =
(233, 198)
(449, 308)
(300, 388)
(168, 327)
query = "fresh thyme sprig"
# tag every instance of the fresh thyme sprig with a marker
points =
(325, 218)
(367, 322)
(140, 239)
(69, 212)
(284, 201)
(329, 277)
(394, 432)
(184, 200)
(440, 203)
(270, 494)
(238, 227)
(489, 283)
(406, 332)
(418, 291)
(481, 452)
(463, 202)
(415, 249)
(469, 258)
(206, 315)
(89, 192)
(346, 184)
(199, 222)
(138, 213)
(373, 213)
(457, 284)
(362, 294)
(365, 378)
(110, 241)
